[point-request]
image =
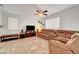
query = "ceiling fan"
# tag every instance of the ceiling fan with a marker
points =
(41, 12)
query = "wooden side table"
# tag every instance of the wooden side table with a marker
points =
(30, 34)
(22, 35)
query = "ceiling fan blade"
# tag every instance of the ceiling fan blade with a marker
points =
(45, 11)
(45, 14)
(36, 14)
(38, 11)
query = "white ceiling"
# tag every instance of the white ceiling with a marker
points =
(54, 8)
(20, 9)
(29, 9)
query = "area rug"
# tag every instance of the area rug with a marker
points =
(31, 45)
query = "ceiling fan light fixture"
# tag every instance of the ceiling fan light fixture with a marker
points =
(40, 14)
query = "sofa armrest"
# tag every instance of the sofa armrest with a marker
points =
(57, 47)
(73, 45)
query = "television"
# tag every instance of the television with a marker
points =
(30, 28)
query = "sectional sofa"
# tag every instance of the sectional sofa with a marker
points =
(61, 41)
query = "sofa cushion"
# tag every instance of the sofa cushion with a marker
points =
(62, 39)
(43, 35)
(60, 34)
(51, 33)
(68, 35)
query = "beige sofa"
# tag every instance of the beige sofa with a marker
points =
(56, 47)
(61, 41)
(47, 34)
(70, 47)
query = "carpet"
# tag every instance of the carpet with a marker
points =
(30, 45)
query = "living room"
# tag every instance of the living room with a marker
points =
(39, 25)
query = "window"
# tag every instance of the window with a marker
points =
(12, 23)
(53, 23)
